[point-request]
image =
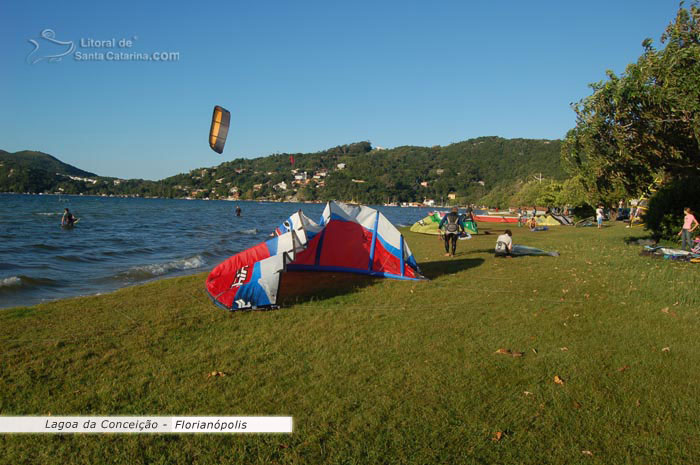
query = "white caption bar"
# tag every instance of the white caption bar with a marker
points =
(145, 425)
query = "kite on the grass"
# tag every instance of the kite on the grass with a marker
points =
(353, 239)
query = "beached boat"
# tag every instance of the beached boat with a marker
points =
(496, 219)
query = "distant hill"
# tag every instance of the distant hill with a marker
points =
(42, 161)
(30, 171)
(466, 171)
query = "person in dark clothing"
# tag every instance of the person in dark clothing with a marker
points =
(469, 215)
(453, 228)
(68, 218)
(238, 210)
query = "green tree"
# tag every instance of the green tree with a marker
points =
(644, 122)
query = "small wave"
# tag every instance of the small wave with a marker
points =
(247, 231)
(49, 213)
(22, 281)
(159, 269)
(12, 281)
(76, 258)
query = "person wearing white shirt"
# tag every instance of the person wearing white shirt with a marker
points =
(599, 216)
(504, 244)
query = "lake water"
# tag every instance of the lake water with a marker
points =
(125, 241)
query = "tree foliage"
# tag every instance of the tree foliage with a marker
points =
(643, 123)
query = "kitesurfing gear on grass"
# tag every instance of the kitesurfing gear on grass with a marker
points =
(354, 239)
(671, 254)
(522, 250)
(429, 224)
(550, 220)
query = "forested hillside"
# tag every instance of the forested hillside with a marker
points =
(463, 172)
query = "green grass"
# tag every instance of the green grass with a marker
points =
(383, 371)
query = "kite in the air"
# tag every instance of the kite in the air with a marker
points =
(220, 121)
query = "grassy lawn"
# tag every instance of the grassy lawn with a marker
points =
(383, 371)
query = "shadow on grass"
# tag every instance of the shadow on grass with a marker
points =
(489, 250)
(494, 232)
(304, 286)
(642, 239)
(433, 270)
(299, 287)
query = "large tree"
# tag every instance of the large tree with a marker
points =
(644, 123)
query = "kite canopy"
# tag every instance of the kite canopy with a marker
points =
(429, 224)
(547, 220)
(563, 219)
(522, 250)
(353, 239)
(219, 128)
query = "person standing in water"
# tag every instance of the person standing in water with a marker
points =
(238, 210)
(453, 228)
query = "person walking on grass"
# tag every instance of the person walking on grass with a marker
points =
(690, 224)
(453, 228)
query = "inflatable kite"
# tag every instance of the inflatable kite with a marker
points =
(548, 220)
(522, 250)
(353, 239)
(429, 224)
(220, 120)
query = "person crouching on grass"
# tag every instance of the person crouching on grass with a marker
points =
(688, 228)
(504, 244)
(453, 228)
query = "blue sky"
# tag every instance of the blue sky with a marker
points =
(304, 76)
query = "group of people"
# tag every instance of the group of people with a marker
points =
(452, 227)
